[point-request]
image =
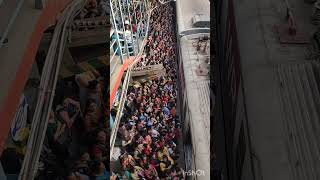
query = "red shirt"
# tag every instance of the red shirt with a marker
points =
(97, 152)
(169, 137)
(161, 144)
(165, 99)
(147, 150)
(134, 28)
(174, 112)
(148, 139)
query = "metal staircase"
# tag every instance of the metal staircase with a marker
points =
(123, 12)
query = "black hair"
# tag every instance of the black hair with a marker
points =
(146, 166)
(94, 165)
(92, 84)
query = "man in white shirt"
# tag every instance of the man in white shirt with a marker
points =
(128, 37)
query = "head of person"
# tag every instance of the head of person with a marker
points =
(97, 167)
(146, 166)
(51, 116)
(94, 86)
(85, 156)
(127, 27)
(145, 145)
(65, 102)
(91, 106)
(101, 137)
(165, 158)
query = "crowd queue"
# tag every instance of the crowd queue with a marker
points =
(76, 146)
(150, 127)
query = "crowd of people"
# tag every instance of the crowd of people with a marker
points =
(93, 15)
(134, 23)
(159, 46)
(76, 139)
(93, 8)
(150, 127)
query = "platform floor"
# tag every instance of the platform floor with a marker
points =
(18, 38)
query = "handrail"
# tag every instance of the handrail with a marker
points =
(47, 85)
(115, 52)
(11, 21)
(111, 32)
(114, 67)
(111, 46)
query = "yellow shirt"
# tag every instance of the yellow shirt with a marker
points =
(162, 166)
(166, 153)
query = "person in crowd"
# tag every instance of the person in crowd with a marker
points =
(90, 138)
(150, 172)
(127, 161)
(89, 87)
(69, 111)
(128, 37)
(165, 166)
(82, 165)
(55, 128)
(77, 176)
(99, 150)
(93, 8)
(99, 171)
(58, 142)
(56, 133)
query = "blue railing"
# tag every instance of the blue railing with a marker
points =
(121, 45)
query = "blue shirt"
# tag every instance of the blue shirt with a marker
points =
(166, 111)
(142, 117)
(149, 123)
